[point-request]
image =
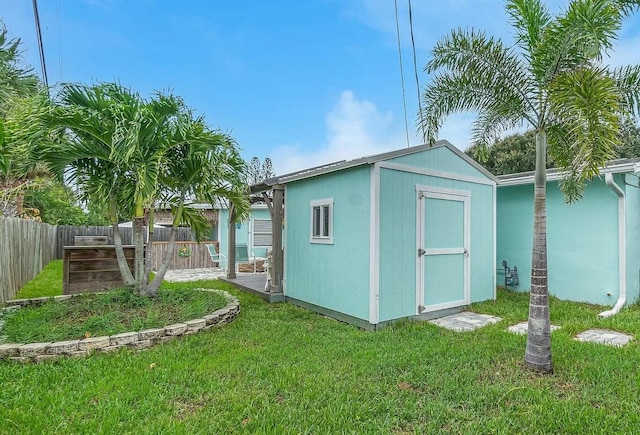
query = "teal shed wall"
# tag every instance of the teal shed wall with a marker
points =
(440, 159)
(243, 230)
(338, 276)
(398, 227)
(582, 240)
(333, 276)
(632, 193)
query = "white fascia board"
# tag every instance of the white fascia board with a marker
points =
(553, 175)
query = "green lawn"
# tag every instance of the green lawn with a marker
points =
(281, 369)
(47, 283)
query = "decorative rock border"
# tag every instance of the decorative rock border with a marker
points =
(37, 352)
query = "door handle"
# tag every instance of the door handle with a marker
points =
(421, 252)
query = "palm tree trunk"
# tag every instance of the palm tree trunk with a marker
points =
(125, 271)
(152, 288)
(138, 234)
(538, 353)
(148, 259)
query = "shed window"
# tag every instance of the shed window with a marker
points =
(322, 221)
(262, 233)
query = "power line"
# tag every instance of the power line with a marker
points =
(59, 39)
(36, 16)
(415, 63)
(404, 97)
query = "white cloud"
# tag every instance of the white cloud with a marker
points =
(457, 129)
(355, 128)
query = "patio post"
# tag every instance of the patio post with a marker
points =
(278, 257)
(231, 246)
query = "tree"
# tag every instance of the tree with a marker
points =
(22, 101)
(517, 152)
(127, 154)
(258, 172)
(552, 79)
(56, 204)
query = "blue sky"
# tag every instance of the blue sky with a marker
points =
(302, 82)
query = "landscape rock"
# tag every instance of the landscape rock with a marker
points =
(141, 344)
(124, 338)
(45, 357)
(8, 350)
(148, 334)
(176, 329)
(33, 349)
(62, 347)
(93, 343)
(195, 324)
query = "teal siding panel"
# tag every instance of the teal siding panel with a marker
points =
(632, 192)
(441, 159)
(334, 276)
(398, 238)
(582, 240)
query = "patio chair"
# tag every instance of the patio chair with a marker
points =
(216, 256)
(244, 256)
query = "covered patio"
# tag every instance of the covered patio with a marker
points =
(266, 285)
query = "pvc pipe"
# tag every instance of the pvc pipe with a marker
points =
(622, 248)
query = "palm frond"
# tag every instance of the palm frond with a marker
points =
(529, 19)
(473, 73)
(587, 103)
(627, 80)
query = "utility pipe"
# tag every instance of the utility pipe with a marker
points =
(622, 248)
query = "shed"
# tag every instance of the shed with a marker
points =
(408, 233)
(593, 250)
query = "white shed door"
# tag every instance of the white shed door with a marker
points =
(443, 249)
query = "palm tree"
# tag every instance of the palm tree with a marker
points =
(126, 154)
(554, 80)
(22, 100)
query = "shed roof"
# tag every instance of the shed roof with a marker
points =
(367, 160)
(620, 166)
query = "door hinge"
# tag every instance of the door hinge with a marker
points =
(421, 252)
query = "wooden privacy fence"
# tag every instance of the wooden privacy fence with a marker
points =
(66, 234)
(186, 255)
(25, 248)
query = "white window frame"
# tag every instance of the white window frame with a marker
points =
(254, 233)
(322, 238)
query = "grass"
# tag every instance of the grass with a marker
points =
(119, 310)
(48, 282)
(281, 369)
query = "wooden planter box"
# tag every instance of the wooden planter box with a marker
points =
(92, 268)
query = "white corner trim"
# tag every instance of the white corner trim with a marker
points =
(495, 240)
(284, 244)
(374, 244)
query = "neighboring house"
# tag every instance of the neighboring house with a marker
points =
(163, 216)
(409, 233)
(593, 244)
(256, 233)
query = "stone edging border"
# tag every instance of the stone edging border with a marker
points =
(38, 352)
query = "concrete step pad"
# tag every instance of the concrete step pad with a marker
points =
(465, 321)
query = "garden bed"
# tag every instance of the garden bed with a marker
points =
(57, 309)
